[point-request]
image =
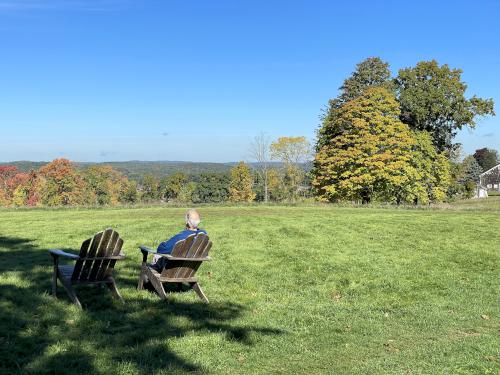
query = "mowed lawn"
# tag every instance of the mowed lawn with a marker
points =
(293, 290)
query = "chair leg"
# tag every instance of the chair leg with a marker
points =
(72, 295)
(114, 290)
(196, 287)
(156, 284)
(54, 281)
(142, 276)
(159, 288)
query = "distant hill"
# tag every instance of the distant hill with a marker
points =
(135, 169)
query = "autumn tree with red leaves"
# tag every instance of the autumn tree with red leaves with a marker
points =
(63, 185)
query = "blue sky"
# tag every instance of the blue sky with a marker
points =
(197, 80)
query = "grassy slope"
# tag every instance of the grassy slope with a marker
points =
(292, 290)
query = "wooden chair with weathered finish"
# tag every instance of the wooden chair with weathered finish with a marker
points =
(94, 264)
(180, 267)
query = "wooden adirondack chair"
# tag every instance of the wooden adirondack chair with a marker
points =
(181, 266)
(94, 264)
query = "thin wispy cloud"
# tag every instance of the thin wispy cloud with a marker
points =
(107, 153)
(46, 5)
(488, 135)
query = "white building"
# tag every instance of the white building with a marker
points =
(488, 181)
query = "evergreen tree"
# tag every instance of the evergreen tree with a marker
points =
(468, 178)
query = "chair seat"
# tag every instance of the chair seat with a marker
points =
(66, 271)
(154, 273)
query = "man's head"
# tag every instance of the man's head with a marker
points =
(192, 219)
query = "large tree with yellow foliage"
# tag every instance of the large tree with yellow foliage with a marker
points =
(240, 188)
(369, 154)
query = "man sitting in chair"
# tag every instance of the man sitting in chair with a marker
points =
(193, 220)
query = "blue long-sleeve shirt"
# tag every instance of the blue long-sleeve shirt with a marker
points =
(166, 247)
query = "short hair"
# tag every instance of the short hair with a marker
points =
(193, 218)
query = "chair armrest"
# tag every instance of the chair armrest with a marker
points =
(110, 257)
(170, 257)
(56, 252)
(145, 251)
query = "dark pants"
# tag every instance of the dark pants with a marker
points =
(159, 263)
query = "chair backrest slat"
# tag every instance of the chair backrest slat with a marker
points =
(90, 254)
(83, 253)
(105, 249)
(197, 245)
(182, 247)
(103, 244)
(189, 267)
(108, 265)
(206, 249)
(193, 246)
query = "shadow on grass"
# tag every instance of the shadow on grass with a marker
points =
(39, 334)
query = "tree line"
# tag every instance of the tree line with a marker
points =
(383, 138)
(62, 183)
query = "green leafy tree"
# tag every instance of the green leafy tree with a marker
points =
(486, 158)
(212, 188)
(187, 192)
(429, 173)
(371, 72)
(432, 98)
(128, 192)
(240, 188)
(150, 185)
(171, 186)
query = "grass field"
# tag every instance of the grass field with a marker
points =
(293, 290)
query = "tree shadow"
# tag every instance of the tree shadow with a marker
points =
(39, 334)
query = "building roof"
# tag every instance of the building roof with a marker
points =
(489, 170)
